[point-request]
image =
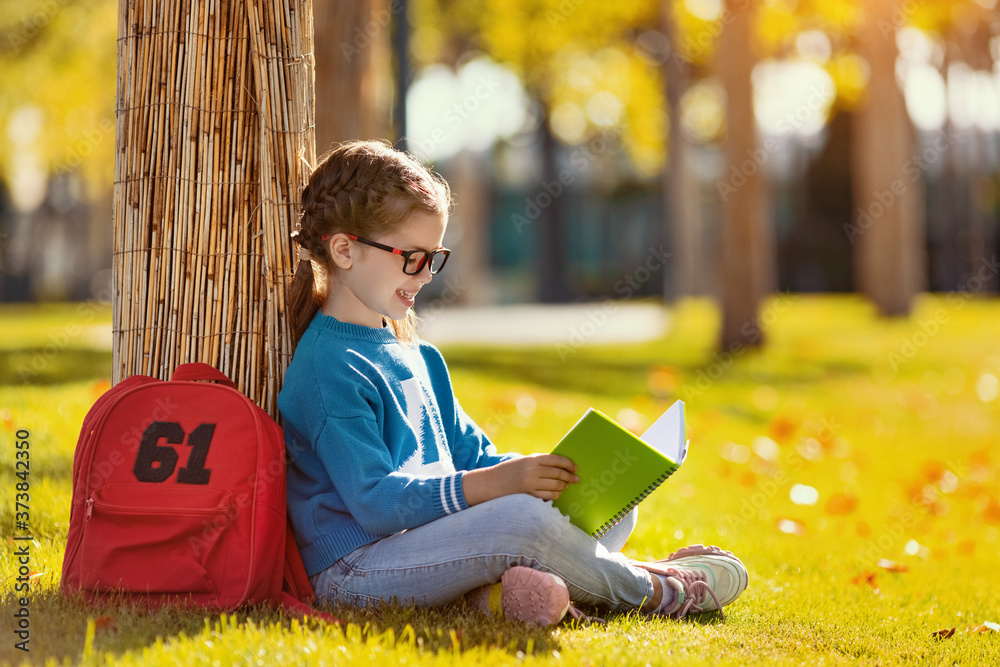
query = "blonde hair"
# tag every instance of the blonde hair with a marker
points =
(365, 188)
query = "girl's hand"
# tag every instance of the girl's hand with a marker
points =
(541, 475)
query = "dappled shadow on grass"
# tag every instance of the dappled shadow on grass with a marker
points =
(625, 371)
(544, 368)
(48, 366)
(58, 626)
(439, 628)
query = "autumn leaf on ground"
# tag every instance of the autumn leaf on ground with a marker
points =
(781, 428)
(870, 578)
(892, 566)
(841, 503)
(985, 627)
(943, 634)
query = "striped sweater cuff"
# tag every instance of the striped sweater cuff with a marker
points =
(452, 496)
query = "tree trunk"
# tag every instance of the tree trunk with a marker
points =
(469, 232)
(214, 142)
(351, 55)
(747, 243)
(888, 229)
(679, 188)
(552, 269)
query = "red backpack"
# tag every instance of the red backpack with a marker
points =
(179, 497)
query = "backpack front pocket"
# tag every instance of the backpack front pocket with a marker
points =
(154, 539)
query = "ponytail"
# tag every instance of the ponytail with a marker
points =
(302, 300)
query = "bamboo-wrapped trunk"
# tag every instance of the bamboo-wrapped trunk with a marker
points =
(214, 142)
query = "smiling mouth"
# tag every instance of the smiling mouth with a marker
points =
(406, 295)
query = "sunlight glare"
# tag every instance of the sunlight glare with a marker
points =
(471, 108)
(792, 96)
(926, 100)
(707, 10)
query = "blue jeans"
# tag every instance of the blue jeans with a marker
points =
(442, 560)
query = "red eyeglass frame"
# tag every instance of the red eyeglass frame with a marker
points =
(428, 258)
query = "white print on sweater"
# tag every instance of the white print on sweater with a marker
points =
(419, 414)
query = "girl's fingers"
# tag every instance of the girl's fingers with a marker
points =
(557, 461)
(551, 485)
(560, 474)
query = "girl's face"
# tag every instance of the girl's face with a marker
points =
(374, 285)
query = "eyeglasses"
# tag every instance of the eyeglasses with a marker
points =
(413, 260)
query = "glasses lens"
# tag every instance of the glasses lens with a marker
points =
(438, 258)
(415, 263)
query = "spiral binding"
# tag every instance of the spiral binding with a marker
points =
(623, 512)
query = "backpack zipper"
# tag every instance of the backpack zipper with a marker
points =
(123, 509)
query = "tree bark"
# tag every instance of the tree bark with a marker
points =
(214, 142)
(351, 58)
(747, 243)
(888, 226)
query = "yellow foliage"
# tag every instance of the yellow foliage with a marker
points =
(59, 58)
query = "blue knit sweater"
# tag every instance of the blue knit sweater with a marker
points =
(377, 441)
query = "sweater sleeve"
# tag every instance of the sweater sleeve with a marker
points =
(381, 499)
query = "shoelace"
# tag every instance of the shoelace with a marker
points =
(691, 582)
(578, 615)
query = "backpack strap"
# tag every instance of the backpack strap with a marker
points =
(296, 591)
(199, 371)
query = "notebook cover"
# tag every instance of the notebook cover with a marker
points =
(615, 468)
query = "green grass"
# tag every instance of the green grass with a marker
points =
(895, 426)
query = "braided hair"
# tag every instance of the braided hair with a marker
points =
(365, 188)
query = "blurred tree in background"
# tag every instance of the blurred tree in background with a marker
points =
(798, 144)
(57, 140)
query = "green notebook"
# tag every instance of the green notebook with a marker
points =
(617, 468)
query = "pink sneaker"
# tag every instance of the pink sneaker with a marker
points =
(524, 594)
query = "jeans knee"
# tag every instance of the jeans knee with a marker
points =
(527, 520)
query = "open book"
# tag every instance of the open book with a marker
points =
(617, 468)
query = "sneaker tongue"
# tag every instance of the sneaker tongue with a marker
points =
(673, 593)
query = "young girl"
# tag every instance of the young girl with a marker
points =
(393, 491)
